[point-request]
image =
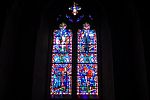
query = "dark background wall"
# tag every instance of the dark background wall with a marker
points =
(25, 26)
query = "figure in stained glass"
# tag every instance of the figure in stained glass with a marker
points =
(61, 58)
(87, 81)
(87, 78)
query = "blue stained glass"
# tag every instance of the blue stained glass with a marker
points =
(62, 36)
(62, 32)
(62, 40)
(87, 58)
(62, 58)
(61, 79)
(87, 78)
(75, 8)
(62, 48)
(61, 67)
(86, 37)
(87, 48)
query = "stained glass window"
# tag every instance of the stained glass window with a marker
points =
(87, 74)
(85, 61)
(61, 70)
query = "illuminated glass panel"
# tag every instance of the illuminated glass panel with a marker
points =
(75, 8)
(62, 40)
(61, 74)
(87, 79)
(89, 48)
(87, 74)
(62, 48)
(87, 58)
(61, 79)
(86, 37)
(62, 58)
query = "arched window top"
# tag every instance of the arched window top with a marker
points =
(62, 31)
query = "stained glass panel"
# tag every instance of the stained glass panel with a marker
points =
(62, 40)
(87, 74)
(87, 58)
(87, 79)
(62, 48)
(87, 48)
(86, 36)
(61, 78)
(62, 58)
